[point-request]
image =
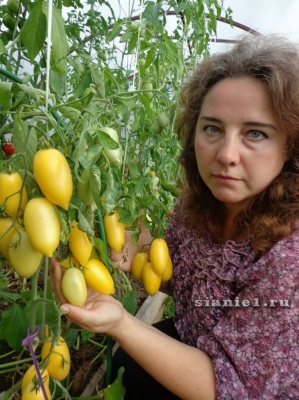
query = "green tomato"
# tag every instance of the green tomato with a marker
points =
(163, 120)
(147, 87)
(12, 6)
(9, 21)
(73, 286)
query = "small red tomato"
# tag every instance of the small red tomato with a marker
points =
(8, 148)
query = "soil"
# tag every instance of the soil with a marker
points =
(82, 368)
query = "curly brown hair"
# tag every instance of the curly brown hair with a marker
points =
(271, 215)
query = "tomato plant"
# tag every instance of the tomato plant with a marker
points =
(89, 121)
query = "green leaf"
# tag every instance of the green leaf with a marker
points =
(115, 31)
(3, 281)
(33, 33)
(2, 48)
(96, 184)
(10, 296)
(129, 301)
(107, 141)
(5, 95)
(21, 140)
(116, 390)
(15, 326)
(60, 46)
(112, 191)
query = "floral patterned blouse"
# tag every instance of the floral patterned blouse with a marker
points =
(243, 313)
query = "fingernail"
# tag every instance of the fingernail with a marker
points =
(64, 310)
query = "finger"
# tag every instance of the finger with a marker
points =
(79, 316)
(56, 276)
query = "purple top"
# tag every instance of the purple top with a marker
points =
(243, 313)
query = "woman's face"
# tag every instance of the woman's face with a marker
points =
(239, 146)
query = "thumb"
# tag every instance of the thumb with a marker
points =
(76, 315)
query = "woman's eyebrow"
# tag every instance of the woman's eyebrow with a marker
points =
(212, 119)
(261, 124)
(248, 123)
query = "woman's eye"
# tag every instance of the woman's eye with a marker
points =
(256, 135)
(211, 129)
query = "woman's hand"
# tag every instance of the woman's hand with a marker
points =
(100, 313)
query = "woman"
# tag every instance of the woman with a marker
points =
(233, 237)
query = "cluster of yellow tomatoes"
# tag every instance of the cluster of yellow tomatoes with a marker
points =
(154, 267)
(55, 364)
(83, 269)
(25, 245)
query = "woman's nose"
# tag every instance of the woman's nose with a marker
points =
(229, 150)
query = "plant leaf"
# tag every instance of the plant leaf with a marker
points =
(33, 33)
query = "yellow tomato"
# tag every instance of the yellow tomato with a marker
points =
(167, 274)
(31, 392)
(150, 279)
(57, 358)
(53, 175)
(97, 276)
(79, 244)
(6, 234)
(159, 255)
(42, 225)
(138, 263)
(10, 193)
(31, 376)
(24, 258)
(115, 232)
(73, 287)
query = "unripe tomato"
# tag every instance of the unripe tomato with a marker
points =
(24, 258)
(167, 274)
(159, 255)
(12, 6)
(57, 358)
(31, 392)
(10, 193)
(42, 225)
(150, 279)
(79, 244)
(114, 156)
(9, 21)
(148, 86)
(5, 224)
(138, 263)
(163, 120)
(53, 175)
(31, 376)
(115, 232)
(97, 277)
(73, 287)
(84, 190)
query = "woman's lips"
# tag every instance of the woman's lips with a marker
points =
(225, 177)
